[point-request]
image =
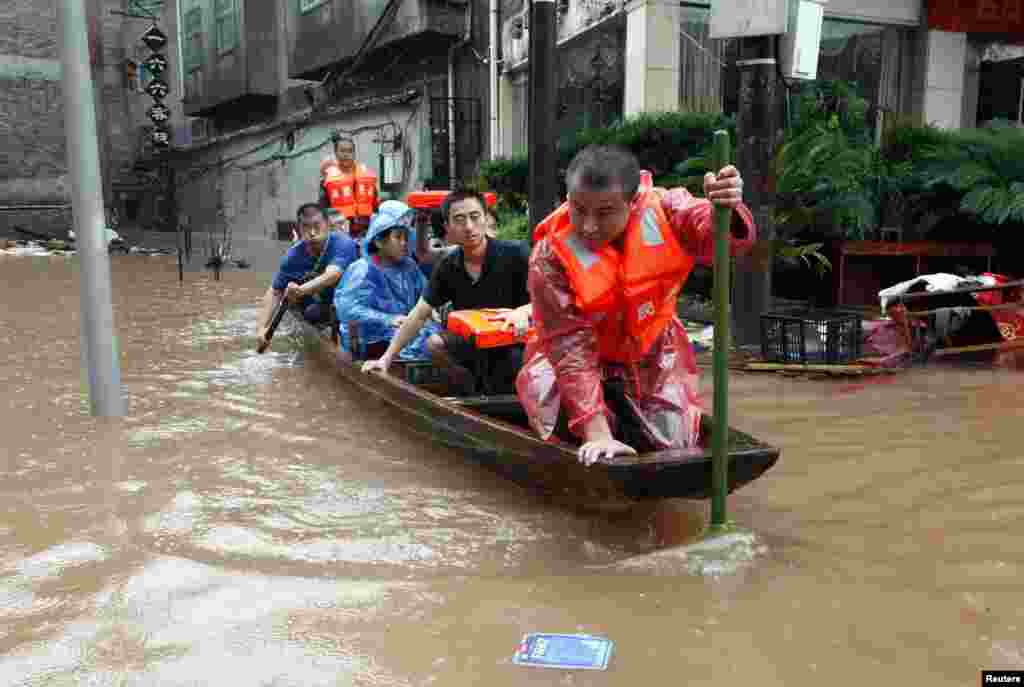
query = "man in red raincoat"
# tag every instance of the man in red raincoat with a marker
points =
(610, 358)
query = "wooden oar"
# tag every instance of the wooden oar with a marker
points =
(282, 307)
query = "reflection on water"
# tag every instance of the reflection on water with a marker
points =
(254, 518)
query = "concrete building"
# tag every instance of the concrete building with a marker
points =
(34, 188)
(412, 87)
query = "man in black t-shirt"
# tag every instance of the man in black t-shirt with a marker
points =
(480, 273)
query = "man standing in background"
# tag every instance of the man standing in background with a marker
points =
(348, 186)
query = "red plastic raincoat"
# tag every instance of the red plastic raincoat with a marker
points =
(562, 368)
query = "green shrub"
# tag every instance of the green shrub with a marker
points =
(984, 167)
(507, 176)
(974, 177)
(830, 177)
(512, 224)
(660, 140)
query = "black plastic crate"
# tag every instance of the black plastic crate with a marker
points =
(811, 336)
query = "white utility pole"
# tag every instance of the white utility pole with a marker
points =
(99, 350)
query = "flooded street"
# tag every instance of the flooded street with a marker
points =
(255, 523)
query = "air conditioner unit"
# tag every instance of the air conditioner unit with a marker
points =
(800, 45)
(392, 169)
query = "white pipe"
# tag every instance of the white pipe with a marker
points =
(451, 92)
(180, 30)
(1020, 104)
(99, 349)
(451, 114)
(492, 64)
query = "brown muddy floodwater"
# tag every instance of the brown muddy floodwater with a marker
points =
(252, 522)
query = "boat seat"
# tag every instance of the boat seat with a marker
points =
(417, 372)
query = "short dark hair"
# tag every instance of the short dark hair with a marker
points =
(603, 167)
(306, 206)
(459, 195)
(337, 138)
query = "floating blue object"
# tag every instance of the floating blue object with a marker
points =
(569, 652)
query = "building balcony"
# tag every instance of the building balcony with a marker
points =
(574, 18)
(231, 60)
(325, 34)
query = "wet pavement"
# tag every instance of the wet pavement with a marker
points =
(252, 522)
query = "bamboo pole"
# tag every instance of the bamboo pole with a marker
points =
(981, 308)
(720, 371)
(1001, 346)
(828, 369)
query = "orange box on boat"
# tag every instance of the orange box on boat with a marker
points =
(432, 200)
(480, 327)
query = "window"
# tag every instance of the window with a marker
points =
(194, 84)
(193, 38)
(310, 5)
(706, 82)
(225, 18)
(868, 55)
(874, 57)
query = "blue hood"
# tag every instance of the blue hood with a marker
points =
(391, 213)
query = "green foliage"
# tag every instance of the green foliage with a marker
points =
(984, 168)
(791, 253)
(824, 171)
(829, 174)
(837, 106)
(507, 176)
(660, 140)
(512, 224)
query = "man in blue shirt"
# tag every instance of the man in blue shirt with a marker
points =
(310, 270)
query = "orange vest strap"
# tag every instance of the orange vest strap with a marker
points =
(636, 288)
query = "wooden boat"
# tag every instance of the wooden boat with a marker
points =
(494, 431)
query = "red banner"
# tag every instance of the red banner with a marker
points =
(977, 16)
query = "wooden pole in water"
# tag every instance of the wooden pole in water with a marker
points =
(720, 371)
(542, 181)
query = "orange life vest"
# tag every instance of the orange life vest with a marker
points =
(353, 195)
(432, 200)
(636, 288)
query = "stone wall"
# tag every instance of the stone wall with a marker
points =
(34, 187)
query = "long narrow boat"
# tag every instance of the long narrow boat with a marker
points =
(494, 431)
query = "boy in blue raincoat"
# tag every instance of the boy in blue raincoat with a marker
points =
(378, 290)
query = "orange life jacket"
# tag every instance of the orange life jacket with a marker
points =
(636, 288)
(353, 195)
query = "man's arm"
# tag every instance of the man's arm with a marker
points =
(693, 221)
(406, 333)
(270, 301)
(330, 277)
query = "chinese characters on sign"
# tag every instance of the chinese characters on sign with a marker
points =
(158, 88)
(154, 39)
(159, 113)
(156, 64)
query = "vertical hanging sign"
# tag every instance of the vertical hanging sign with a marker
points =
(156, 64)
